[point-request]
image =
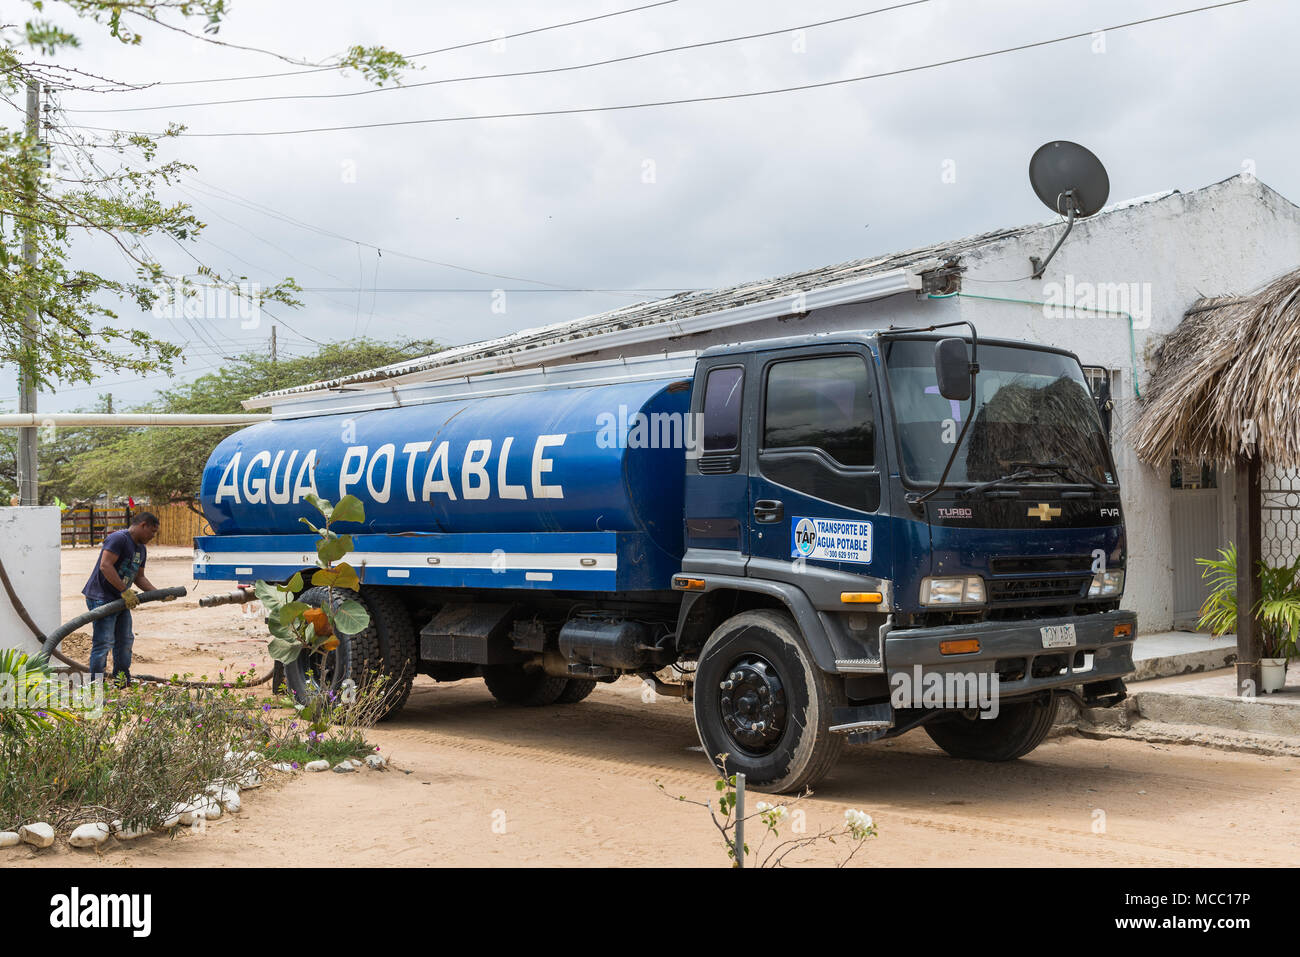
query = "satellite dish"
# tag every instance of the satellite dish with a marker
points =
(1071, 181)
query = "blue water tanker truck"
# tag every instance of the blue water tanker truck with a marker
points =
(812, 540)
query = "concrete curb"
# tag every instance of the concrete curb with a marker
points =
(1186, 663)
(1254, 725)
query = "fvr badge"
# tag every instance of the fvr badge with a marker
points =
(830, 539)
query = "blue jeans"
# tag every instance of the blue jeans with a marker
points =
(111, 631)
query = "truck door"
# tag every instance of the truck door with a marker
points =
(717, 488)
(815, 475)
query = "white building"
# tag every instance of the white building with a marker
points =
(1122, 280)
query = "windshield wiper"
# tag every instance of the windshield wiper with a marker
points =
(1016, 476)
(1060, 468)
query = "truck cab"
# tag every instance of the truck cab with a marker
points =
(867, 554)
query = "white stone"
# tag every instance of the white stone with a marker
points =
(282, 766)
(127, 833)
(9, 838)
(89, 835)
(376, 761)
(317, 766)
(252, 778)
(229, 800)
(200, 807)
(37, 835)
(344, 767)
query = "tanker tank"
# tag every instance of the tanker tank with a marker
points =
(598, 458)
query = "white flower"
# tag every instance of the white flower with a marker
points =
(857, 820)
(763, 806)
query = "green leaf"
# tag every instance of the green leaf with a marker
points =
(310, 525)
(291, 610)
(347, 577)
(332, 551)
(321, 505)
(285, 650)
(349, 509)
(270, 596)
(295, 583)
(350, 618)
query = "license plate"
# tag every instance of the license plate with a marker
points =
(1058, 636)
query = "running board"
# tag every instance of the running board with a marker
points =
(867, 717)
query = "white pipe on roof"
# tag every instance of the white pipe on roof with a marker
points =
(877, 286)
(38, 420)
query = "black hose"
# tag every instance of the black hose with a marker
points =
(103, 611)
(50, 642)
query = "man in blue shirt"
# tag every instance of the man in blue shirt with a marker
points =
(120, 566)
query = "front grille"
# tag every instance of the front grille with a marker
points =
(1037, 564)
(1008, 591)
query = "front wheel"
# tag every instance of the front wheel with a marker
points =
(1019, 727)
(761, 701)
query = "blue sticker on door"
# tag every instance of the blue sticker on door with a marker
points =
(830, 539)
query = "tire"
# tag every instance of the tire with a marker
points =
(576, 690)
(390, 645)
(514, 684)
(1019, 727)
(387, 645)
(795, 749)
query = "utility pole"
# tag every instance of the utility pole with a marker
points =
(28, 490)
(273, 345)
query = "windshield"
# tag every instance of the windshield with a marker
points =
(1031, 407)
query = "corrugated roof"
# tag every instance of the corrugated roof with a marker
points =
(681, 306)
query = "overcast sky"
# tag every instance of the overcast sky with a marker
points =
(685, 196)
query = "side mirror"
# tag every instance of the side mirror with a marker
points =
(952, 367)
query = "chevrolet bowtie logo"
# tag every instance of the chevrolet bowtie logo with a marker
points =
(1044, 512)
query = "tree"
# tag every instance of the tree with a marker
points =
(166, 464)
(79, 333)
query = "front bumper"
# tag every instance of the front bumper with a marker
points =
(1013, 650)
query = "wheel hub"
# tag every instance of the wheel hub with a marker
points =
(752, 704)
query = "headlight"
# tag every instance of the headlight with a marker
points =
(953, 591)
(1106, 584)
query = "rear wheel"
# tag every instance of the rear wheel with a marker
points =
(515, 684)
(1019, 727)
(761, 701)
(387, 646)
(576, 690)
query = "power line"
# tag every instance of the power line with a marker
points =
(472, 289)
(694, 99)
(416, 56)
(515, 74)
(232, 197)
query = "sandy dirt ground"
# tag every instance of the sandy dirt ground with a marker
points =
(477, 783)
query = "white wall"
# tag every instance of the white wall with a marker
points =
(29, 548)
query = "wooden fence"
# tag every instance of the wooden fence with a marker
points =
(89, 525)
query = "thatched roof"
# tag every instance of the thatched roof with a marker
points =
(1230, 362)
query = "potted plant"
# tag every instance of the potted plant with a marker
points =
(1278, 610)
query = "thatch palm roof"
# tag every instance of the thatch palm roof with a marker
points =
(1231, 366)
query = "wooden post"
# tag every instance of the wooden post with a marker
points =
(1249, 533)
